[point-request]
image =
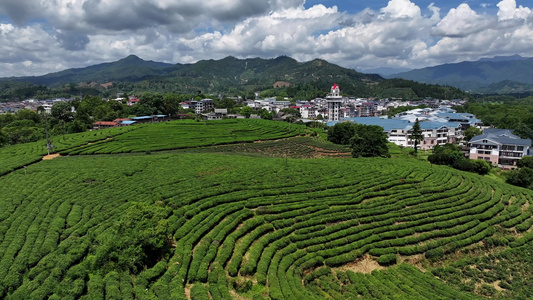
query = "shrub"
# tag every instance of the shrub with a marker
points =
(242, 285)
(525, 162)
(522, 177)
(476, 166)
(388, 259)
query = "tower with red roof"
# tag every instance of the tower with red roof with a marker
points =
(334, 100)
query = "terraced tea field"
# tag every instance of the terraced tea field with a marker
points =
(190, 134)
(13, 157)
(209, 226)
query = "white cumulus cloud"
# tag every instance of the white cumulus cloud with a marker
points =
(75, 33)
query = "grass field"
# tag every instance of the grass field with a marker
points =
(196, 224)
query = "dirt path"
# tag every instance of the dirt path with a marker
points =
(51, 156)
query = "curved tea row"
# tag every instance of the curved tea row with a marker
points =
(215, 226)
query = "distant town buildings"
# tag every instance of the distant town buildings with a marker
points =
(33, 104)
(439, 126)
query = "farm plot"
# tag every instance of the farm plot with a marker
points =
(16, 156)
(201, 226)
(190, 134)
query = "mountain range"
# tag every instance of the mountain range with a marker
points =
(501, 74)
(205, 74)
(230, 76)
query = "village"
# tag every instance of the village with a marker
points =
(439, 122)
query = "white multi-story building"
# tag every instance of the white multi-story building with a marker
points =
(334, 100)
(398, 131)
(499, 147)
(204, 105)
(308, 112)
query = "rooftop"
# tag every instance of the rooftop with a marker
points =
(500, 136)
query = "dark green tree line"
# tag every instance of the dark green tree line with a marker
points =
(365, 140)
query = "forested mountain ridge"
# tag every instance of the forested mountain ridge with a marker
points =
(230, 76)
(230, 71)
(131, 68)
(484, 75)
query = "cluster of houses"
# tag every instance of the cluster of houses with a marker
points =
(130, 121)
(440, 124)
(335, 107)
(33, 104)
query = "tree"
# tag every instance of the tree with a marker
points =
(452, 155)
(265, 114)
(341, 133)
(522, 177)
(247, 111)
(62, 111)
(472, 165)
(171, 104)
(526, 161)
(28, 114)
(369, 141)
(446, 154)
(154, 101)
(523, 131)
(416, 135)
(291, 111)
(471, 132)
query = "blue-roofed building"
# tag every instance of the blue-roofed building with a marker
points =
(127, 123)
(465, 119)
(499, 147)
(150, 119)
(398, 131)
(441, 115)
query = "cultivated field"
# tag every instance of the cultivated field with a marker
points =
(179, 225)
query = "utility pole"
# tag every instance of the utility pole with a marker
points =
(49, 145)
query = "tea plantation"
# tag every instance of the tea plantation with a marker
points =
(180, 225)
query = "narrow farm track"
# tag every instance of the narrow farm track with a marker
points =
(231, 223)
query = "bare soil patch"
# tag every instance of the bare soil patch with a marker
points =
(365, 265)
(234, 295)
(51, 156)
(496, 285)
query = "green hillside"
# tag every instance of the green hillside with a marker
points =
(130, 68)
(499, 75)
(228, 76)
(205, 219)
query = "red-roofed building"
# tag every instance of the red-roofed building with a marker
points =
(133, 100)
(104, 124)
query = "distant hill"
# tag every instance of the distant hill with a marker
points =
(482, 75)
(131, 68)
(260, 74)
(205, 74)
(229, 76)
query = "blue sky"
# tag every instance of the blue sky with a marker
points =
(39, 37)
